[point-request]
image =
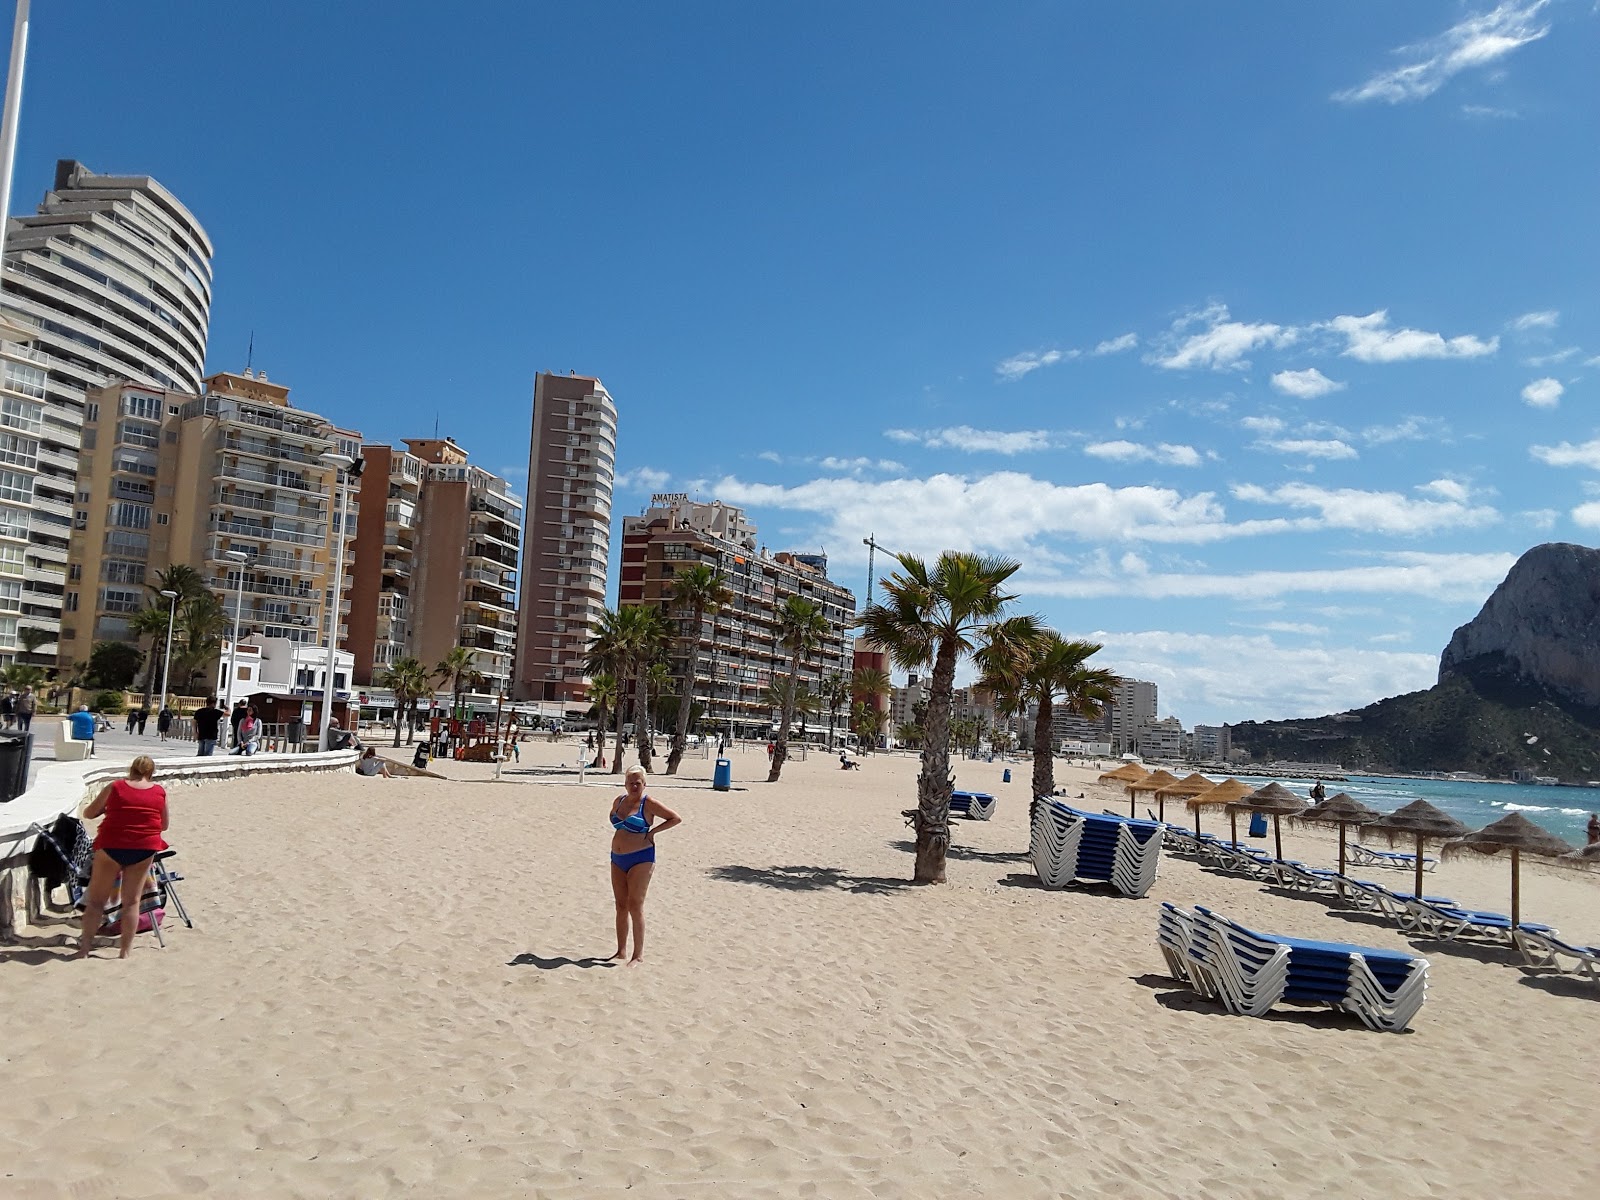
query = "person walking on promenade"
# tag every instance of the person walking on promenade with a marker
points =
(133, 719)
(26, 703)
(208, 726)
(8, 707)
(164, 722)
(135, 811)
(636, 819)
(144, 716)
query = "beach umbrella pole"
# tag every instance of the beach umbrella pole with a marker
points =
(1516, 891)
(1233, 824)
(1277, 836)
(1419, 866)
(1341, 858)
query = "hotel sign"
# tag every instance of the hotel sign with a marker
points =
(668, 499)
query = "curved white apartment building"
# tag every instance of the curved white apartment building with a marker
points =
(572, 460)
(110, 280)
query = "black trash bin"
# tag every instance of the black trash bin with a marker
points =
(296, 731)
(16, 752)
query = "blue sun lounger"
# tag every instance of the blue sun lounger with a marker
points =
(1366, 856)
(1067, 844)
(976, 806)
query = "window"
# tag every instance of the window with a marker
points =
(120, 541)
(75, 572)
(116, 570)
(91, 411)
(10, 596)
(91, 438)
(27, 380)
(246, 672)
(19, 451)
(13, 522)
(8, 631)
(127, 515)
(148, 407)
(161, 518)
(132, 433)
(16, 487)
(11, 558)
(69, 602)
(21, 414)
(121, 600)
(172, 410)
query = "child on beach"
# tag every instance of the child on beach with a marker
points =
(635, 820)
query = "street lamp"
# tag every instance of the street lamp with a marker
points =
(239, 557)
(343, 467)
(166, 666)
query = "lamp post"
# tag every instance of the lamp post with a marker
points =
(240, 558)
(13, 108)
(166, 665)
(342, 465)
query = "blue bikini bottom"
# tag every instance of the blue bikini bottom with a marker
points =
(626, 862)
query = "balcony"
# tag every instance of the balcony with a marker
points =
(264, 533)
(396, 566)
(505, 580)
(499, 601)
(279, 479)
(236, 443)
(226, 497)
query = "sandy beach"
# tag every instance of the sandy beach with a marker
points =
(393, 990)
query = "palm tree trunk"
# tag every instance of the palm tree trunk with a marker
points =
(399, 719)
(780, 748)
(933, 784)
(622, 707)
(1044, 764)
(600, 737)
(641, 719)
(150, 673)
(686, 699)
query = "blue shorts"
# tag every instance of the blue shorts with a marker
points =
(626, 862)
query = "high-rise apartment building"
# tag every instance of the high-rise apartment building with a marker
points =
(566, 537)
(436, 555)
(740, 656)
(169, 478)
(110, 280)
(1133, 705)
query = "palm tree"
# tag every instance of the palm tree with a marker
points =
(835, 693)
(202, 622)
(658, 681)
(867, 721)
(409, 680)
(1049, 672)
(702, 591)
(459, 669)
(603, 692)
(866, 685)
(609, 655)
(150, 622)
(935, 616)
(625, 642)
(31, 639)
(180, 578)
(801, 629)
(649, 634)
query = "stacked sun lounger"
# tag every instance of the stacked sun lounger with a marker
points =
(1249, 972)
(1068, 845)
(1366, 856)
(978, 806)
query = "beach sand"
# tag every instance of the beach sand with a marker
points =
(392, 990)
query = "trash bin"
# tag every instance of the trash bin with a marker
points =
(1005, 776)
(16, 750)
(722, 777)
(1258, 825)
(296, 732)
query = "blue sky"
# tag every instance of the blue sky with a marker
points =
(1265, 336)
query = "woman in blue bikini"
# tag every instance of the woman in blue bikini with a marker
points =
(636, 819)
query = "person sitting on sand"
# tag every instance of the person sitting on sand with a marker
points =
(135, 811)
(635, 820)
(371, 764)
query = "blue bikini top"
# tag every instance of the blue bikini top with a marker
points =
(634, 823)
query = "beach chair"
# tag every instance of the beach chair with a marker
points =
(1251, 971)
(1068, 845)
(975, 806)
(152, 905)
(1547, 950)
(1367, 856)
(1425, 917)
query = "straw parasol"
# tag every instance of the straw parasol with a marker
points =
(1276, 801)
(1426, 822)
(1513, 832)
(1126, 773)
(1152, 782)
(1341, 810)
(1216, 796)
(1189, 785)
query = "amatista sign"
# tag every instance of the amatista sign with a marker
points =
(668, 499)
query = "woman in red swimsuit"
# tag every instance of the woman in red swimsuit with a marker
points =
(135, 811)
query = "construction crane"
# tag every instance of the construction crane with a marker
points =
(872, 550)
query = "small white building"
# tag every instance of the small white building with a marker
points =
(282, 669)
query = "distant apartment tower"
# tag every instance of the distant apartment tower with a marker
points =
(436, 555)
(169, 478)
(566, 538)
(111, 280)
(1134, 704)
(1212, 743)
(740, 656)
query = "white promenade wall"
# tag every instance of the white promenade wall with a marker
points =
(68, 787)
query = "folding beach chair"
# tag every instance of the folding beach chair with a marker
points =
(80, 864)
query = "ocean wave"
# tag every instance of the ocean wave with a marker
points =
(1573, 812)
(1530, 808)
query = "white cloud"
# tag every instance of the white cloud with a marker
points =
(1587, 515)
(1305, 385)
(1370, 512)
(1221, 345)
(1299, 627)
(974, 441)
(1445, 489)
(1310, 447)
(1554, 357)
(1369, 339)
(1477, 41)
(771, 456)
(1543, 393)
(1540, 518)
(1411, 429)
(1117, 345)
(1488, 110)
(1536, 320)
(832, 463)
(1019, 365)
(1170, 455)
(1266, 426)
(1568, 455)
(643, 479)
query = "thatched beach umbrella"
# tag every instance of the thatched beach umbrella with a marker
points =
(1152, 782)
(1126, 773)
(1189, 785)
(1426, 822)
(1217, 795)
(1276, 801)
(1341, 810)
(1513, 832)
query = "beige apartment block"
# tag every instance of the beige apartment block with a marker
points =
(566, 537)
(168, 477)
(436, 557)
(740, 655)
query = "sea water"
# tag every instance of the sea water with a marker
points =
(1564, 811)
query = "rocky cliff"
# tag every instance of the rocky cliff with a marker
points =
(1541, 626)
(1519, 689)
